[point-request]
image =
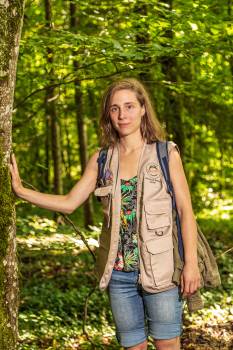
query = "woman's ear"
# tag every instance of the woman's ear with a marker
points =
(143, 110)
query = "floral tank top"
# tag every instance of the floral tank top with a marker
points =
(127, 256)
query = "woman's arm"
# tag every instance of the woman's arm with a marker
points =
(62, 203)
(190, 279)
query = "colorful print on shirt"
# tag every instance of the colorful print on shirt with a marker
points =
(127, 255)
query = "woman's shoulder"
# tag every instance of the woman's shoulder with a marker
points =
(171, 145)
(94, 157)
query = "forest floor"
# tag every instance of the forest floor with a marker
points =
(56, 275)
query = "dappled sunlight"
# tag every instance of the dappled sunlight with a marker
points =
(211, 327)
(221, 208)
(57, 275)
(47, 241)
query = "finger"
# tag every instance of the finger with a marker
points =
(187, 287)
(182, 283)
(11, 169)
(192, 287)
(197, 286)
(184, 287)
(12, 157)
(12, 173)
(15, 166)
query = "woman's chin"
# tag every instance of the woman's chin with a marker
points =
(124, 133)
(127, 132)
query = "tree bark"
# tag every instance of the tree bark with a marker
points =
(11, 14)
(52, 115)
(67, 152)
(88, 206)
(47, 152)
(143, 39)
(173, 103)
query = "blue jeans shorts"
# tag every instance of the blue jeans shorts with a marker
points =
(138, 314)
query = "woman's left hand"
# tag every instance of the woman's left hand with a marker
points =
(190, 279)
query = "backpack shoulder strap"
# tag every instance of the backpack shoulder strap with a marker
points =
(162, 151)
(101, 164)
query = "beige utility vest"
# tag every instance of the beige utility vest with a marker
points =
(154, 221)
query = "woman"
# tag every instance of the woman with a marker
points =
(129, 245)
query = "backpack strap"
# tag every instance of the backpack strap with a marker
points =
(162, 151)
(101, 164)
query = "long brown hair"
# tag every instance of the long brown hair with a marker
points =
(151, 129)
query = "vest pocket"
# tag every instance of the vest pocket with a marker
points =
(158, 216)
(105, 194)
(161, 259)
(103, 191)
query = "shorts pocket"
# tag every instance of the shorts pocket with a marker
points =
(158, 216)
(161, 259)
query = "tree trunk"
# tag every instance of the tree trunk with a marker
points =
(47, 151)
(67, 151)
(11, 14)
(88, 206)
(92, 111)
(173, 103)
(143, 39)
(51, 113)
(229, 13)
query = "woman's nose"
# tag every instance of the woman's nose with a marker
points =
(120, 114)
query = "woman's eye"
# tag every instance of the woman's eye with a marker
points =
(114, 109)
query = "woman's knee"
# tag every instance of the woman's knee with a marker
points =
(141, 346)
(167, 344)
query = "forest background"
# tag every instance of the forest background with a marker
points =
(69, 53)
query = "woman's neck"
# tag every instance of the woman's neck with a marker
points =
(130, 143)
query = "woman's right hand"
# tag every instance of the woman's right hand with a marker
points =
(57, 202)
(15, 178)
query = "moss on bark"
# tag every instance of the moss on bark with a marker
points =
(7, 336)
(11, 14)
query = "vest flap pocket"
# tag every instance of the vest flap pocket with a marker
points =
(156, 246)
(103, 191)
(157, 215)
(160, 260)
(159, 207)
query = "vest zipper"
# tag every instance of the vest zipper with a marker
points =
(139, 260)
(109, 209)
(138, 204)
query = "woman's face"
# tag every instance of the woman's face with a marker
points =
(126, 112)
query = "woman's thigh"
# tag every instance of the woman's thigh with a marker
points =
(164, 313)
(127, 308)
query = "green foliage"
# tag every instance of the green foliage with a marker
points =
(184, 57)
(193, 40)
(53, 301)
(57, 276)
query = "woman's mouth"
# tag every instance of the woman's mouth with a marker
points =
(123, 125)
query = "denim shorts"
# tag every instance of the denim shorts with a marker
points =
(138, 314)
